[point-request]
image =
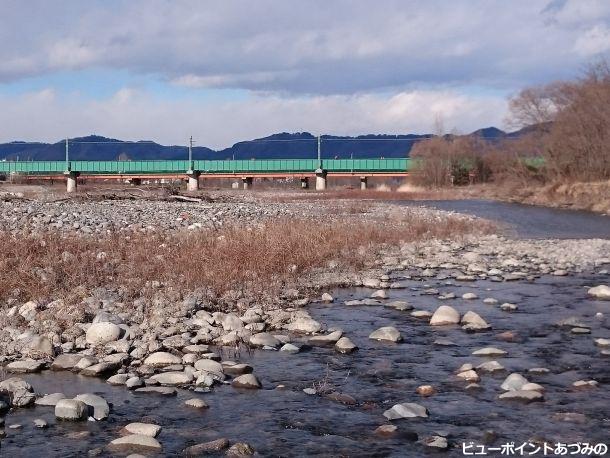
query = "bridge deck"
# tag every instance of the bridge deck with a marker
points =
(272, 168)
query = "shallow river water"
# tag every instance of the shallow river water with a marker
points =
(289, 422)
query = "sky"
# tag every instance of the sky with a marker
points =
(231, 70)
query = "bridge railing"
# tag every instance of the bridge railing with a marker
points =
(206, 166)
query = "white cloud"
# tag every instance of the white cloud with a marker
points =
(594, 41)
(134, 115)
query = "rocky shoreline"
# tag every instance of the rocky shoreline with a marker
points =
(156, 346)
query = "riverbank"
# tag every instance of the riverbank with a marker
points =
(408, 276)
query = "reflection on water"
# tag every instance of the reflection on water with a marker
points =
(288, 422)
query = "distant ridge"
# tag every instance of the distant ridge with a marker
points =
(282, 145)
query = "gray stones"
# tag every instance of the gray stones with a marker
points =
(406, 410)
(133, 383)
(98, 407)
(290, 348)
(305, 325)
(473, 322)
(40, 423)
(468, 375)
(522, 395)
(173, 378)
(379, 294)
(71, 410)
(196, 403)
(421, 314)
(19, 392)
(514, 382)
(50, 399)
(102, 333)
(248, 381)
(329, 339)
(65, 362)
(400, 305)
(584, 384)
(99, 369)
(240, 449)
(264, 339)
(508, 307)
(213, 367)
(602, 342)
(490, 351)
(386, 333)
(207, 447)
(437, 442)
(38, 347)
(118, 379)
(491, 366)
(601, 292)
(490, 301)
(469, 296)
(328, 298)
(345, 345)
(143, 429)
(137, 441)
(162, 359)
(232, 368)
(24, 367)
(445, 315)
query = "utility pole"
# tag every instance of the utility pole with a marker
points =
(67, 156)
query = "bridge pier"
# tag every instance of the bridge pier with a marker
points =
(193, 180)
(71, 181)
(235, 185)
(247, 182)
(320, 180)
(135, 181)
(304, 183)
(363, 183)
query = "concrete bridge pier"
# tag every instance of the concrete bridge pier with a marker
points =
(247, 182)
(193, 181)
(235, 185)
(363, 183)
(304, 183)
(71, 181)
(320, 180)
(135, 181)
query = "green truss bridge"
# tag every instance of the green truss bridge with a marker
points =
(193, 171)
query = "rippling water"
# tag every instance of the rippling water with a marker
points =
(288, 422)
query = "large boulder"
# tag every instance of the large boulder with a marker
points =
(389, 333)
(50, 399)
(65, 362)
(102, 333)
(600, 292)
(18, 391)
(136, 441)
(162, 359)
(474, 322)
(71, 410)
(445, 315)
(98, 407)
(25, 367)
(264, 339)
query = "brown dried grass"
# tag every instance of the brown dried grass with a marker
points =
(255, 261)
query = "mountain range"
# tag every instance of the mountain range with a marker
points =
(282, 145)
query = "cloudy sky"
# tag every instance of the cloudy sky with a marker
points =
(225, 71)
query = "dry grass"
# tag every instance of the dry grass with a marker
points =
(404, 192)
(253, 261)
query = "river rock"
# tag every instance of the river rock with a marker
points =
(71, 409)
(136, 441)
(602, 342)
(264, 339)
(25, 367)
(406, 410)
(158, 390)
(514, 382)
(345, 345)
(490, 301)
(50, 399)
(173, 378)
(490, 366)
(38, 347)
(522, 395)
(421, 314)
(437, 442)
(385, 430)
(196, 403)
(304, 325)
(211, 366)
(99, 369)
(469, 376)
(206, 448)
(379, 294)
(473, 322)
(240, 449)
(65, 362)
(326, 297)
(118, 379)
(329, 339)
(601, 292)
(389, 333)
(290, 348)
(98, 407)
(162, 359)
(469, 296)
(232, 368)
(425, 390)
(445, 315)
(489, 351)
(246, 381)
(40, 423)
(19, 392)
(102, 333)
(143, 429)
